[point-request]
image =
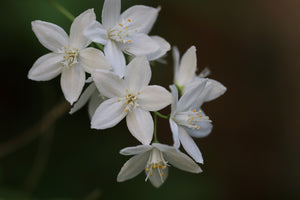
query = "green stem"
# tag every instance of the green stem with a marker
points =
(161, 115)
(61, 9)
(155, 127)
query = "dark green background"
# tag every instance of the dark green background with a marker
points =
(251, 46)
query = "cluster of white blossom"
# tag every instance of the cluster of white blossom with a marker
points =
(117, 90)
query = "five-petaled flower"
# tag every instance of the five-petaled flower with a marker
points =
(70, 57)
(130, 97)
(155, 159)
(124, 33)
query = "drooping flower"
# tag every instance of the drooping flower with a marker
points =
(130, 97)
(185, 76)
(126, 32)
(188, 120)
(155, 159)
(70, 57)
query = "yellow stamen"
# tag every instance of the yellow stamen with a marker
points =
(129, 20)
(194, 110)
(162, 174)
(147, 170)
(126, 110)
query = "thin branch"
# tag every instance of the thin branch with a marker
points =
(42, 125)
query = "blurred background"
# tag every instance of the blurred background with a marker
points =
(251, 46)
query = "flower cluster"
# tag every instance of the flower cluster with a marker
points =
(120, 89)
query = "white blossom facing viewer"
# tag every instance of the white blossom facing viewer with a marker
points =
(126, 32)
(155, 159)
(70, 57)
(130, 97)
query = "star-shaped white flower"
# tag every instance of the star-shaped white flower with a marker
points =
(124, 33)
(155, 159)
(185, 76)
(188, 120)
(70, 57)
(130, 97)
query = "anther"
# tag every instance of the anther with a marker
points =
(165, 167)
(129, 20)
(138, 93)
(151, 174)
(126, 110)
(194, 110)
(147, 169)
(126, 90)
(200, 115)
(121, 25)
(129, 40)
(162, 174)
(119, 100)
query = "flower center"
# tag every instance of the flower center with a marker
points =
(130, 100)
(122, 32)
(156, 164)
(190, 118)
(70, 57)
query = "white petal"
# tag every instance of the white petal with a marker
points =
(174, 129)
(116, 58)
(96, 32)
(189, 145)
(95, 101)
(142, 17)
(205, 128)
(181, 161)
(176, 57)
(50, 35)
(140, 45)
(77, 39)
(174, 92)
(92, 59)
(154, 98)
(135, 150)
(164, 46)
(156, 179)
(84, 98)
(72, 82)
(140, 124)
(192, 98)
(188, 66)
(133, 167)
(111, 13)
(46, 67)
(109, 84)
(108, 114)
(213, 89)
(138, 74)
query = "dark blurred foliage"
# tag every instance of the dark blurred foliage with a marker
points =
(251, 46)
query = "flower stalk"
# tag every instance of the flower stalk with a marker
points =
(62, 10)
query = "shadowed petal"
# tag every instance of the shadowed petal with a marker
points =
(164, 46)
(135, 150)
(84, 98)
(133, 167)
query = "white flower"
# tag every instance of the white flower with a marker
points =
(187, 120)
(130, 97)
(155, 159)
(185, 73)
(91, 96)
(70, 57)
(124, 33)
